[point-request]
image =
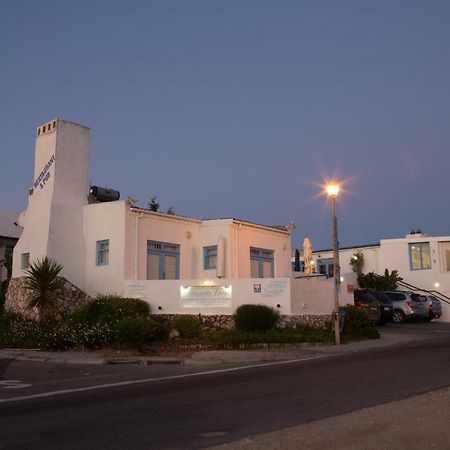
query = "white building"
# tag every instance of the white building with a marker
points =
(423, 261)
(177, 263)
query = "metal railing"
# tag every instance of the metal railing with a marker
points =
(442, 297)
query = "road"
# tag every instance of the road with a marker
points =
(195, 407)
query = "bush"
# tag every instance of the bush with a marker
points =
(187, 325)
(134, 331)
(302, 333)
(108, 309)
(255, 318)
(357, 324)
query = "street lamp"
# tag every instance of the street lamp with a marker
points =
(333, 191)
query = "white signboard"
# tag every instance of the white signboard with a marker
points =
(274, 288)
(205, 296)
(137, 290)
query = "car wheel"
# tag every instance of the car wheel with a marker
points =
(399, 316)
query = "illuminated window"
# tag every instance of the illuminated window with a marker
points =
(419, 256)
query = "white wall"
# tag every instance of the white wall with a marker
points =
(53, 222)
(167, 294)
(105, 221)
(315, 295)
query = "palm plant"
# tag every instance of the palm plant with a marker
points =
(44, 286)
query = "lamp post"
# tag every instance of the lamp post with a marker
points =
(333, 191)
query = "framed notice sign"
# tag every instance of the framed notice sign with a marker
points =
(205, 296)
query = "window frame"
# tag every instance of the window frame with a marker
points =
(420, 245)
(207, 265)
(101, 252)
(257, 255)
(162, 253)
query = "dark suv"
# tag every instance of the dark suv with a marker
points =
(386, 307)
(367, 303)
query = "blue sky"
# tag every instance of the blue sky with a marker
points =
(241, 108)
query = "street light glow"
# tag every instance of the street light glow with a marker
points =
(332, 189)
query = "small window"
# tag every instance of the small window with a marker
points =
(419, 256)
(210, 257)
(25, 261)
(102, 253)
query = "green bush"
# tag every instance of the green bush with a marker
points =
(108, 309)
(302, 333)
(135, 331)
(255, 318)
(357, 324)
(187, 325)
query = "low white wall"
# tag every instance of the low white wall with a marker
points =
(315, 295)
(169, 295)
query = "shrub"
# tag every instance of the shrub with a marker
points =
(357, 324)
(108, 309)
(302, 333)
(134, 331)
(255, 318)
(187, 325)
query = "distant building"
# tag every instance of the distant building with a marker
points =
(423, 261)
(9, 235)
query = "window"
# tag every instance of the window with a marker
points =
(210, 257)
(102, 253)
(325, 267)
(163, 261)
(419, 256)
(25, 261)
(261, 263)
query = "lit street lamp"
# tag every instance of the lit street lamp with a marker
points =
(333, 191)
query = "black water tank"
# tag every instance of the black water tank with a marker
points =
(102, 194)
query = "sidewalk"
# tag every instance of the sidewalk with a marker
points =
(390, 336)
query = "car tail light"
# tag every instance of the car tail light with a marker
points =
(359, 304)
(430, 307)
(410, 304)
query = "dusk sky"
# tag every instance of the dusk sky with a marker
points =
(241, 108)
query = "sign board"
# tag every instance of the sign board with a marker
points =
(205, 296)
(137, 290)
(274, 288)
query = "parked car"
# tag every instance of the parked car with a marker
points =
(434, 308)
(408, 306)
(386, 307)
(367, 303)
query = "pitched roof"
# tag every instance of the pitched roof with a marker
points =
(7, 227)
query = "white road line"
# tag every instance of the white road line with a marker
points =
(152, 380)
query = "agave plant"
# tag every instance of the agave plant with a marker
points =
(44, 286)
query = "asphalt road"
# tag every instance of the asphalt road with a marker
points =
(200, 410)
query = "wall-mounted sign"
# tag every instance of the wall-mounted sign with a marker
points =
(257, 288)
(137, 290)
(44, 175)
(205, 296)
(274, 288)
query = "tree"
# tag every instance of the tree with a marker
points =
(153, 205)
(357, 262)
(6, 262)
(386, 282)
(44, 286)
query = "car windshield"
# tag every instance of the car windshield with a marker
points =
(418, 298)
(382, 298)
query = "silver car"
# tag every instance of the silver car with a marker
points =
(434, 308)
(408, 305)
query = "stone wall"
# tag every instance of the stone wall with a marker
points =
(219, 322)
(16, 298)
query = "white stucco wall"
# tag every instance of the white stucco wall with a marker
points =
(53, 221)
(315, 295)
(105, 221)
(167, 294)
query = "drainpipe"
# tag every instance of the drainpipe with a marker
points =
(236, 259)
(136, 243)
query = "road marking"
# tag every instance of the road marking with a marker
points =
(152, 380)
(13, 384)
